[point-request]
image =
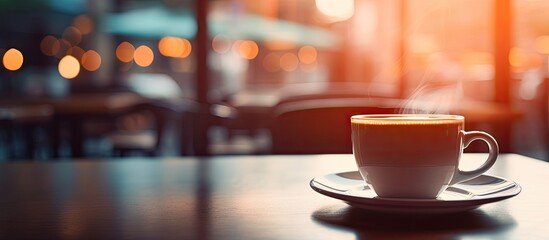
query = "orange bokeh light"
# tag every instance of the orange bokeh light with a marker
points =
(84, 23)
(69, 67)
(143, 56)
(307, 54)
(271, 62)
(91, 60)
(76, 52)
(63, 48)
(72, 35)
(289, 62)
(13, 59)
(49, 45)
(125, 52)
(518, 58)
(174, 47)
(247, 49)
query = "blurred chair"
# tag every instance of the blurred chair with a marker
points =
(26, 128)
(141, 129)
(190, 114)
(321, 125)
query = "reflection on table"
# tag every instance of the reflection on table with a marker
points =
(239, 197)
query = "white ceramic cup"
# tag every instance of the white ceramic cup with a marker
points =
(414, 155)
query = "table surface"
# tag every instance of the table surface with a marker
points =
(239, 197)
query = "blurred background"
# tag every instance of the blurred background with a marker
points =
(104, 78)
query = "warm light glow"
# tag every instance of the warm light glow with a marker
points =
(336, 10)
(63, 48)
(143, 56)
(13, 59)
(72, 35)
(221, 44)
(279, 45)
(83, 23)
(125, 52)
(542, 44)
(289, 62)
(271, 62)
(170, 46)
(247, 49)
(518, 57)
(423, 44)
(76, 52)
(91, 60)
(535, 60)
(476, 58)
(69, 67)
(307, 54)
(49, 45)
(174, 47)
(187, 48)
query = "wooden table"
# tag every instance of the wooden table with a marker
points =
(239, 197)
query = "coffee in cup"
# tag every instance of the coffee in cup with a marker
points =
(414, 155)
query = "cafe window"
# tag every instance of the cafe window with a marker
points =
(443, 51)
(395, 47)
(528, 56)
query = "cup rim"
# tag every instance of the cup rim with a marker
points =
(408, 117)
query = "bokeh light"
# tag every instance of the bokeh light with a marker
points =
(174, 47)
(69, 67)
(518, 57)
(307, 54)
(13, 59)
(187, 48)
(72, 35)
(84, 23)
(143, 56)
(76, 52)
(247, 49)
(64, 47)
(91, 60)
(49, 45)
(271, 62)
(221, 44)
(125, 52)
(336, 10)
(289, 62)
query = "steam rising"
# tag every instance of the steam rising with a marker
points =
(433, 98)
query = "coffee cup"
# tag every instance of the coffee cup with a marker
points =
(414, 155)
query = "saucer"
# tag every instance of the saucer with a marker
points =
(349, 187)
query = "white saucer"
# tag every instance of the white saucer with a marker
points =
(350, 187)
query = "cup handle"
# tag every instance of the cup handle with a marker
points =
(493, 151)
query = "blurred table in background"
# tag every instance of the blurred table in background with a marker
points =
(72, 111)
(240, 197)
(25, 128)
